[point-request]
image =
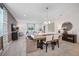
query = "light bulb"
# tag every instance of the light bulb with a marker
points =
(48, 22)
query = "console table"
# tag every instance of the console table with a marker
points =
(70, 38)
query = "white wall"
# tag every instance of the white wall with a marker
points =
(60, 14)
(69, 13)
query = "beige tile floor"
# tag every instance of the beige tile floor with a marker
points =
(65, 49)
(17, 48)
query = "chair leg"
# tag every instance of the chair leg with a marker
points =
(53, 46)
(46, 46)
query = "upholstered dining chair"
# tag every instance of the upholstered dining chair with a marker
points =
(48, 41)
(55, 40)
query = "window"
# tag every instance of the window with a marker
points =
(3, 26)
(30, 28)
(1, 21)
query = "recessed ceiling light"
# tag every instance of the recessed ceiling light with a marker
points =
(24, 15)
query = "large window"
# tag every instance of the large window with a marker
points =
(1, 21)
(5, 29)
(3, 26)
(30, 28)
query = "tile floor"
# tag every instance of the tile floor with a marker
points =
(17, 48)
(65, 49)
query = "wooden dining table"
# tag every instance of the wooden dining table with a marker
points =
(40, 38)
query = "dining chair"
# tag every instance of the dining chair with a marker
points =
(55, 40)
(48, 41)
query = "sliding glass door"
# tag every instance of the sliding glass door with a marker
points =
(3, 26)
(1, 21)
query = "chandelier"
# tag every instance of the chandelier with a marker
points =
(47, 21)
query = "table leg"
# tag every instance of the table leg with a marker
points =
(38, 44)
(41, 44)
(58, 43)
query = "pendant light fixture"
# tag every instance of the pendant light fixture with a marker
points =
(47, 21)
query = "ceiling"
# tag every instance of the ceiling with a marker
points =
(35, 11)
